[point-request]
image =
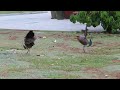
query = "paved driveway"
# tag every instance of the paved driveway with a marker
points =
(40, 21)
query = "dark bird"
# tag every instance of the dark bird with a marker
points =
(29, 41)
(83, 39)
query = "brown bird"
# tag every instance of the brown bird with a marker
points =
(83, 39)
(29, 41)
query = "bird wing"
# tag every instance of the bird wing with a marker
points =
(29, 40)
(83, 40)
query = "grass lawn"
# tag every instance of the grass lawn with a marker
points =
(63, 59)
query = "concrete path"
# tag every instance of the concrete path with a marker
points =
(40, 21)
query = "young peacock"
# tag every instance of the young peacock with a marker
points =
(83, 39)
(29, 41)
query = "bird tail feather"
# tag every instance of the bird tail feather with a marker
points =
(24, 47)
(90, 43)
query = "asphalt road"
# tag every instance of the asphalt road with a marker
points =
(40, 21)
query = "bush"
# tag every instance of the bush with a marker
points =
(110, 20)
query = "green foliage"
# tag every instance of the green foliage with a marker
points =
(110, 20)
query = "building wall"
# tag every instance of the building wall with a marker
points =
(67, 14)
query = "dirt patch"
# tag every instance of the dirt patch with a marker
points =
(61, 35)
(75, 50)
(115, 61)
(100, 74)
(4, 73)
(5, 32)
(13, 37)
(116, 75)
(104, 73)
(113, 44)
(96, 43)
(63, 45)
(92, 70)
(66, 47)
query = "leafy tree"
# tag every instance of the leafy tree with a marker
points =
(110, 20)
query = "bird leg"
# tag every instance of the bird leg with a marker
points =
(84, 48)
(28, 51)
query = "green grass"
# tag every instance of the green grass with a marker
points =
(63, 59)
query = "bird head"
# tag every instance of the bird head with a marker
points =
(31, 31)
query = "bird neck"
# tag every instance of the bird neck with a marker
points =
(85, 33)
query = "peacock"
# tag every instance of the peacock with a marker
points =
(83, 39)
(29, 41)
